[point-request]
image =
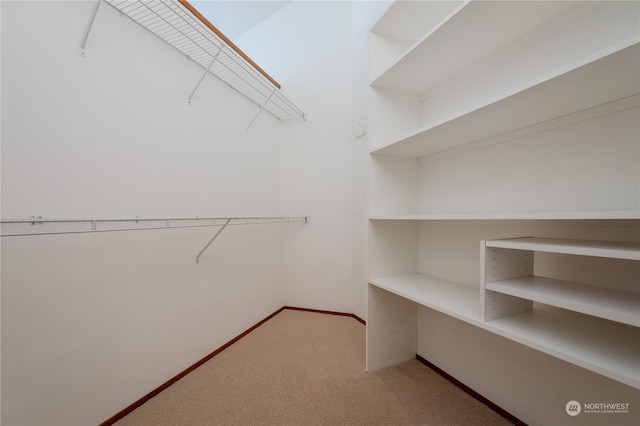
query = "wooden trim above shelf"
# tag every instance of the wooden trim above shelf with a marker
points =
(231, 44)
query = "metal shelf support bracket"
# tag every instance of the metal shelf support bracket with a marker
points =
(203, 75)
(87, 30)
(210, 241)
(261, 109)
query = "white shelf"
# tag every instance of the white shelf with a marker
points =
(453, 299)
(615, 305)
(570, 90)
(463, 29)
(568, 215)
(610, 249)
(408, 21)
(607, 348)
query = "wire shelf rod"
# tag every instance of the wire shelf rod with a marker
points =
(237, 62)
(34, 224)
(172, 26)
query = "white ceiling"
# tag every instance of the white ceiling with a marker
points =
(234, 18)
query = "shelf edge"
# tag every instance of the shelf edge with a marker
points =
(573, 215)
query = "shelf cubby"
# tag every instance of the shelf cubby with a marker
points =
(512, 294)
(614, 305)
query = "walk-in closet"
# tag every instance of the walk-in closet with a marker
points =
(438, 202)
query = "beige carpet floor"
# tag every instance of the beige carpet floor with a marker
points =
(305, 368)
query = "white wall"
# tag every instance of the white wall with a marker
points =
(312, 59)
(90, 323)
(542, 172)
(93, 322)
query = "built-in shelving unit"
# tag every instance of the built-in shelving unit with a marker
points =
(490, 121)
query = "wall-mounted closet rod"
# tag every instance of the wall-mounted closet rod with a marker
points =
(36, 225)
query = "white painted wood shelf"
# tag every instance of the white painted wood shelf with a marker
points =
(575, 94)
(408, 21)
(453, 299)
(543, 215)
(612, 249)
(566, 86)
(607, 348)
(460, 29)
(614, 305)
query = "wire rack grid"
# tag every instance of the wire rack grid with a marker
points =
(174, 22)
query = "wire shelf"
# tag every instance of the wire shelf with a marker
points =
(179, 24)
(37, 225)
